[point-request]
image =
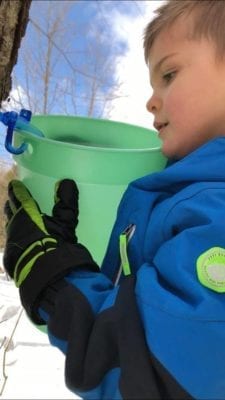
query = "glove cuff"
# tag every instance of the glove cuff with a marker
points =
(49, 268)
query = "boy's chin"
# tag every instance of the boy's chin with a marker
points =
(174, 151)
(169, 152)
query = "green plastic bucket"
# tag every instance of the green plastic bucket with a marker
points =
(102, 156)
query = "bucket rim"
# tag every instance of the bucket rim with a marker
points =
(28, 135)
(85, 118)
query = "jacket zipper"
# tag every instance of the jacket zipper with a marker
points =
(124, 239)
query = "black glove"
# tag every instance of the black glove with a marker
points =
(42, 249)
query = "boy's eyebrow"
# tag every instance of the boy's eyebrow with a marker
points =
(160, 62)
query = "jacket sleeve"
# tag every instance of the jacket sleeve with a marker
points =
(181, 293)
(159, 334)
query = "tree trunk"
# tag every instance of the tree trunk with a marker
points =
(14, 16)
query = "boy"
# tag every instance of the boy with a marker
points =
(156, 329)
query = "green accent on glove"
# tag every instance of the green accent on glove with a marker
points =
(21, 273)
(23, 199)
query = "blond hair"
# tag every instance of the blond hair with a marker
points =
(208, 22)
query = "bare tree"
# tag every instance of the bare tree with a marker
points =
(13, 22)
(70, 72)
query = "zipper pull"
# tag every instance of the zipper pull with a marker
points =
(123, 255)
(124, 239)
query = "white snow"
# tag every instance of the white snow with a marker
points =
(34, 369)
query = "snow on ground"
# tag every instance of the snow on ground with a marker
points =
(34, 369)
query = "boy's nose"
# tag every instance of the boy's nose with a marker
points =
(153, 104)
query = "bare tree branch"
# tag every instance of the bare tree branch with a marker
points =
(74, 69)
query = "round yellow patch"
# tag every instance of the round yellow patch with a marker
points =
(211, 269)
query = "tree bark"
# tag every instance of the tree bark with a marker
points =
(14, 15)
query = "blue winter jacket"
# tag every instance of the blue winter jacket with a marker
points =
(153, 327)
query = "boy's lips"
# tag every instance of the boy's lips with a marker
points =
(159, 126)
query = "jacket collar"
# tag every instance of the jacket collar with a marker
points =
(207, 163)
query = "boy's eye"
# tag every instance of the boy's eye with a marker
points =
(168, 76)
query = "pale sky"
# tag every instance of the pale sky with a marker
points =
(131, 68)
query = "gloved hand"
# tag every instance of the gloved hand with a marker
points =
(42, 249)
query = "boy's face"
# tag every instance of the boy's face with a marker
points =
(188, 91)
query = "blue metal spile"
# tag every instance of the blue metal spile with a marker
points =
(20, 121)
